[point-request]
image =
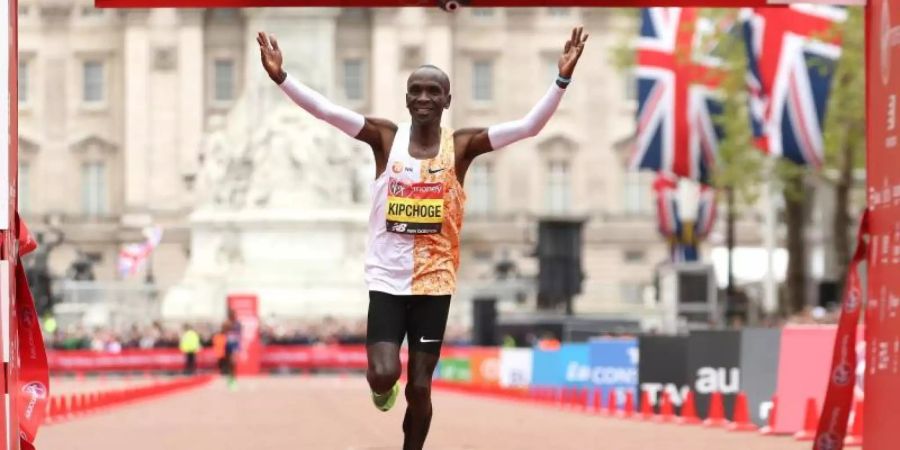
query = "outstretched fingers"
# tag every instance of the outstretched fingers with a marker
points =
(581, 44)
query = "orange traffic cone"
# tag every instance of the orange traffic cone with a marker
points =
(811, 422)
(52, 411)
(689, 410)
(770, 421)
(855, 436)
(716, 417)
(646, 407)
(628, 411)
(611, 403)
(741, 416)
(597, 400)
(666, 411)
(582, 397)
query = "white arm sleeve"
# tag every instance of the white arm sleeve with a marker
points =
(506, 133)
(350, 122)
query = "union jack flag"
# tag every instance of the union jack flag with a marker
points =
(790, 70)
(676, 95)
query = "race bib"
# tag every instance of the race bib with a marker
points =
(415, 208)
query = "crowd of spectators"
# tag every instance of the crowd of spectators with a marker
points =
(166, 335)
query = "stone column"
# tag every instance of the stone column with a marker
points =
(190, 58)
(439, 49)
(137, 115)
(385, 61)
(59, 103)
(306, 37)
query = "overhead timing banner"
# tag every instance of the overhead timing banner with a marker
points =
(436, 3)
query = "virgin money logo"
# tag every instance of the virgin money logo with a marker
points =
(36, 389)
(852, 299)
(398, 189)
(827, 441)
(841, 375)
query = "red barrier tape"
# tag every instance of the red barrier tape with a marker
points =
(341, 357)
(33, 389)
(842, 378)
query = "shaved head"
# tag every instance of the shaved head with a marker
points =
(434, 72)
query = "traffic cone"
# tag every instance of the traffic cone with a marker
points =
(770, 421)
(666, 410)
(646, 407)
(612, 403)
(741, 415)
(811, 422)
(52, 412)
(597, 400)
(689, 410)
(855, 436)
(582, 399)
(716, 416)
(628, 411)
(569, 395)
(579, 400)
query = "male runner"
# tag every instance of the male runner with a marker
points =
(416, 217)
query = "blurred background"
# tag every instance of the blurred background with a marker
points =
(683, 224)
(161, 170)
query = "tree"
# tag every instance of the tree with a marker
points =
(845, 131)
(741, 170)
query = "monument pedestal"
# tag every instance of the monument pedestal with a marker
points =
(283, 198)
(298, 264)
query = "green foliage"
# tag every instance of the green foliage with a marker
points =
(622, 55)
(739, 165)
(845, 126)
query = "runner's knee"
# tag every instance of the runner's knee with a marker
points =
(382, 376)
(418, 393)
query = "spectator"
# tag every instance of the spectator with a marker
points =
(189, 346)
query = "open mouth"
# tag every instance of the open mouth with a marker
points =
(422, 110)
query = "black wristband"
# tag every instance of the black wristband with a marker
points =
(282, 76)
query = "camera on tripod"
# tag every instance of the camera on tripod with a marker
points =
(450, 5)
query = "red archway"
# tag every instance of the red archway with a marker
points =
(883, 154)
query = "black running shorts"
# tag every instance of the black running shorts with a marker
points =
(422, 319)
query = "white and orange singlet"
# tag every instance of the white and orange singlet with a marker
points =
(416, 218)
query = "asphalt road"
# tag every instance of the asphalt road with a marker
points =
(334, 413)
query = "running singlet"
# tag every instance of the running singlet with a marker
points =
(414, 225)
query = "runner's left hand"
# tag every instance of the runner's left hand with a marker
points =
(571, 52)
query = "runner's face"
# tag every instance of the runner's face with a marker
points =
(427, 95)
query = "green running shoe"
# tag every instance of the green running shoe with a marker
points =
(384, 402)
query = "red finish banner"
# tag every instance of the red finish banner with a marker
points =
(882, 378)
(424, 3)
(246, 311)
(34, 378)
(32, 383)
(842, 376)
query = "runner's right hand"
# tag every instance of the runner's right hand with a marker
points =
(271, 57)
